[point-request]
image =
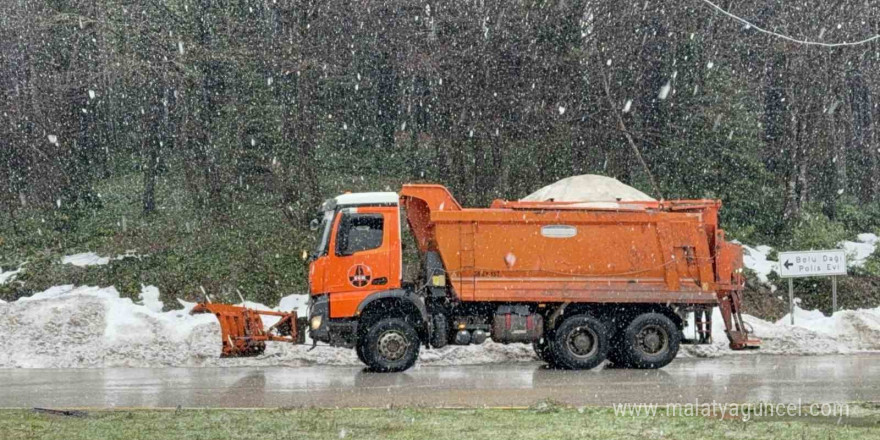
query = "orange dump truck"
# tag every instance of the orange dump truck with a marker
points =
(582, 282)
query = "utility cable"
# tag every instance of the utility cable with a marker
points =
(786, 37)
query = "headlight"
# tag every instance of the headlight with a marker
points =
(316, 322)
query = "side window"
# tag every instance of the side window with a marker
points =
(359, 232)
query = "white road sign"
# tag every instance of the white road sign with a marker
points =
(812, 263)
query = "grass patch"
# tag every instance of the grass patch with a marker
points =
(413, 423)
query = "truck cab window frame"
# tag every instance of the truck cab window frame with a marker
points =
(359, 233)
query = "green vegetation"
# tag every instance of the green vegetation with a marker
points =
(200, 135)
(255, 248)
(251, 247)
(559, 423)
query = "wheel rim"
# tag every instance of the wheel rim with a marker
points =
(392, 345)
(652, 340)
(582, 342)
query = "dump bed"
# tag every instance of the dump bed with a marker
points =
(670, 252)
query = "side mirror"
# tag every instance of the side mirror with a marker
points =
(314, 224)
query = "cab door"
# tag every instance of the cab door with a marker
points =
(365, 254)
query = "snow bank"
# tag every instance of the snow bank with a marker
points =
(847, 331)
(76, 327)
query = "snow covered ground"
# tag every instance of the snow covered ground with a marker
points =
(75, 327)
(847, 331)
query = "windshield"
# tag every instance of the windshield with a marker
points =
(324, 228)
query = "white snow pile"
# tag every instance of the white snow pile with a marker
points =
(8, 276)
(76, 327)
(755, 258)
(859, 251)
(87, 259)
(81, 327)
(587, 188)
(847, 331)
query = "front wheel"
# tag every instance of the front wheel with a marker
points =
(579, 343)
(389, 345)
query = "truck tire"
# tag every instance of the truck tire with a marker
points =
(389, 345)
(440, 331)
(579, 343)
(650, 341)
(358, 348)
(542, 349)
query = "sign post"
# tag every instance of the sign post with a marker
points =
(833, 294)
(800, 264)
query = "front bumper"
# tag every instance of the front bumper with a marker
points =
(335, 332)
(320, 308)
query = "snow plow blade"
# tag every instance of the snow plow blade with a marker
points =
(242, 329)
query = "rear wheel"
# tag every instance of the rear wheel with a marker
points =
(579, 343)
(651, 340)
(389, 345)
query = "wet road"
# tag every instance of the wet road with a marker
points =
(732, 379)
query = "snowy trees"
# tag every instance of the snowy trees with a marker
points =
(493, 98)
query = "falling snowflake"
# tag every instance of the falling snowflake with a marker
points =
(561, 110)
(627, 106)
(664, 91)
(53, 139)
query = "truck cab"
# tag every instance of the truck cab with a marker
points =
(358, 254)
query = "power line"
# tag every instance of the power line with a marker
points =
(786, 37)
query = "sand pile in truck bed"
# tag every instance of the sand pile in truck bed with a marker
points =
(80, 327)
(587, 188)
